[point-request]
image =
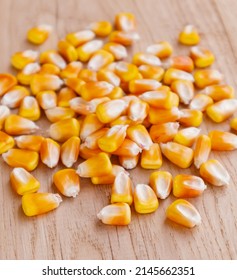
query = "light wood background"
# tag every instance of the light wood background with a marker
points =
(73, 231)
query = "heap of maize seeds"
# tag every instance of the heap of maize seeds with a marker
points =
(101, 105)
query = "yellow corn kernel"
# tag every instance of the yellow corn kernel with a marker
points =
(222, 140)
(25, 76)
(125, 21)
(100, 59)
(72, 70)
(159, 116)
(139, 86)
(140, 136)
(67, 50)
(95, 166)
(13, 98)
(43, 82)
(101, 28)
(64, 96)
(91, 141)
(183, 213)
(161, 183)
(88, 49)
(145, 58)
(187, 136)
(200, 102)
(202, 150)
(4, 113)
(117, 214)
(161, 49)
(23, 182)
(6, 142)
(49, 152)
(214, 173)
(59, 113)
(122, 120)
(117, 50)
(145, 199)
(184, 89)
(207, 77)
(164, 132)
(21, 158)
(67, 182)
(70, 151)
(48, 68)
(79, 38)
(17, 125)
(80, 106)
(151, 72)
(152, 158)
(202, 57)
(128, 148)
(124, 38)
(181, 62)
(122, 189)
(88, 75)
(219, 92)
(180, 155)
(29, 108)
(190, 117)
(129, 162)
(29, 142)
(87, 153)
(75, 84)
(34, 204)
(90, 124)
(222, 110)
(233, 123)
(126, 71)
(39, 34)
(7, 82)
(189, 36)
(20, 59)
(52, 57)
(93, 90)
(137, 110)
(108, 76)
(173, 74)
(47, 99)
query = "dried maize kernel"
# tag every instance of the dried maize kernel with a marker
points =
(21, 158)
(189, 36)
(43, 82)
(124, 38)
(47, 99)
(93, 90)
(100, 59)
(180, 155)
(48, 68)
(95, 166)
(164, 132)
(190, 117)
(219, 92)
(91, 141)
(67, 50)
(145, 199)
(90, 124)
(87, 153)
(117, 214)
(125, 21)
(80, 106)
(13, 98)
(67, 182)
(222, 110)
(138, 110)
(29, 142)
(17, 125)
(159, 116)
(207, 77)
(7, 82)
(29, 108)
(49, 152)
(108, 76)
(201, 57)
(39, 34)
(161, 49)
(184, 89)
(116, 93)
(26, 74)
(64, 96)
(145, 58)
(152, 158)
(202, 150)
(151, 72)
(88, 49)
(222, 140)
(122, 120)
(233, 123)
(101, 28)
(23, 182)
(6, 142)
(70, 151)
(4, 113)
(126, 71)
(214, 173)
(140, 136)
(52, 57)
(75, 84)
(161, 183)
(139, 86)
(88, 75)
(200, 102)
(173, 74)
(59, 113)
(39, 203)
(117, 50)
(181, 62)
(80, 37)
(129, 162)
(72, 70)
(128, 148)
(187, 136)
(183, 213)
(20, 59)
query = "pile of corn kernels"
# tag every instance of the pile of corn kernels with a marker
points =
(101, 106)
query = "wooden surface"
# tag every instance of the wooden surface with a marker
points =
(73, 231)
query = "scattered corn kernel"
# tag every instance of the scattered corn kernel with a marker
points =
(64, 96)
(219, 92)
(161, 183)
(125, 21)
(43, 82)
(109, 111)
(189, 36)
(90, 124)
(80, 37)
(190, 117)
(140, 136)
(152, 158)
(159, 116)
(233, 123)
(151, 72)
(29, 142)
(100, 59)
(49, 152)
(59, 113)
(207, 77)
(128, 148)
(187, 136)
(137, 110)
(6, 142)
(70, 151)
(164, 132)
(53, 57)
(202, 150)
(87, 153)
(13, 98)
(222, 140)
(93, 90)
(67, 50)
(200, 102)
(75, 84)
(39, 34)
(117, 50)
(145, 58)
(184, 89)
(4, 113)
(173, 74)
(161, 49)
(80, 106)
(25, 76)
(47, 99)
(108, 76)
(91, 141)
(49, 68)
(101, 28)
(29, 108)
(85, 51)
(181, 62)
(201, 57)
(7, 82)
(124, 38)
(129, 162)
(20, 59)
(140, 86)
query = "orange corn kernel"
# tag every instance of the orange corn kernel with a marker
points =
(122, 120)
(181, 62)
(200, 102)
(39, 34)
(140, 86)
(88, 75)
(145, 58)
(86, 153)
(21, 158)
(45, 82)
(184, 89)
(110, 110)
(233, 122)
(159, 116)
(20, 59)
(29, 108)
(161, 183)
(75, 84)
(47, 99)
(67, 50)
(222, 140)
(152, 158)
(91, 141)
(124, 38)
(152, 72)
(13, 98)
(6, 142)
(88, 49)
(23, 182)
(137, 110)
(201, 57)
(173, 74)
(140, 136)
(7, 82)
(59, 113)
(49, 152)
(160, 98)
(53, 57)
(214, 173)
(108, 76)
(190, 117)
(219, 92)
(79, 38)
(128, 148)
(93, 90)
(64, 96)
(26, 74)
(70, 151)
(129, 162)
(125, 21)
(187, 136)
(189, 36)
(4, 113)
(116, 93)
(89, 125)
(100, 59)
(207, 77)
(161, 49)
(29, 142)
(164, 132)
(117, 50)
(34, 204)
(72, 70)
(202, 150)
(67, 182)
(101, 28)
(17, 125)
(183, 213)
(50, 69)
(180, 155)
(126, 71)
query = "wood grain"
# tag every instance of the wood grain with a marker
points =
(73, 231)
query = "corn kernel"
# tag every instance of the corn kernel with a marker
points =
(138, 110)
(184, 89)
(222, 140)
(68, 51)
(64, 96)
(39, 34)
(43, 82)
(122, 120)
(75, 84)
(87, 153)
(129, 162)
(13, 98)
(126, 71)
(125, 21)
(152, 158)
(70, 151)
(187, 136)
(88, 75)
(140, 136)
(100, 59)
(200, 102)
(161, 183)
(152, 72)
(181, 62)
(202, 150)
(59, 113)
(47, 99)
(7, 82)
(139, 86)
(108, 76)
(20, 59)
(219, 92)
(93, 90)
(161, 49)
(80, 37)
(90, 124)
(4, 113)
(101, 28)
(6, 142)
(72, 70)
(190, 117)
(85, 51)
(29, 108)
(91, 141)
(164, 132)
(53, 57)
(145, 58)
(48, 68)
(128, 148)
(25, 76)
(159, 116)
(201, 57)
(189, 36)
(233, 123)
(124, 38)
(29, 142)
(207, 77)
(173, 74)
(49, 152)
(80, 106)
(117, 50)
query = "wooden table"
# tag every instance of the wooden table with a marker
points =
(73, 230)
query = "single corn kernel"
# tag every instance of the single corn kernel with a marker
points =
(116, 93)
(6, 142)
(53, 57)
(233, 123)
(67, 182)
(59, 113)
(161, 49)
(85, 51)
(49, 68)
(164, 132)
(70, 151)
(126, 71)
(152, 158)
(45, 82)
(151, 72)
(128, 148)
(145, 199)
(207, 77)
(117, 214)
(180, 155)
(140, 86)
(4, 113)
(145, 58)
(190, 117)
(23, 182)
(202, 150)
(81, 106)
(200, 102)
(124, 38)
(173, 74)
(64, 96)
(39, 34)
(222, 110)
(219, 92)
(189, 36)
(161, 183)
(72, 70)
(7, 82)
(101, 28)
(184, 89)
(108, 76)
(80, 37)
(140, 136)
(222, 140)
(29, 108)
(109, 111)
(95, 166)
(181, 62)
(87, 153)
(21, 158)
(25, 76)
(125, 21)
(214, 173)
(117, 50)
(20, 59)
(13, 98)
(17, 125)
(183, 213)
(47, 99)
(93, 90)
(187, 136)
(29, 142)
(67, 50)
(91, 141)
(159, 116)
(88, 75)
(75, 84)
(137, 110)
(129, 162)
(49, 152)
(122, 120)
(202, 57)
(34, 204)
(90, 124)
(100, 59)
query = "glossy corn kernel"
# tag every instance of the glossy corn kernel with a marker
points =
(75, 84)
(145, 58)
(93, 90)
(13, 98)
(129, 162)
(29, 108)
(222, 110)
(183, 213)
(34, 204)
(108, 76)
(233, 123)
(219, 92)
(116, 93)
(173, 74)
(43, 82)
(21, 158)
(139, 86)
(190, 117)
(52, 57)
(70, 151)
(59, 113)
(49, 152)
(128, 148)
(25, 76)
(202, 57)
(152, 72)
(67, 50)
(47, 99)
(125, 21)
(20, 59)
(187, 136)
(117, 214)
(29, 142)
(126, 71)
(222, 140)
(88, 75)
(17, 125)
(180, 155)
(181, 62)
(164, 132)
(202, 150)
(72, 70)
(7, 82)
(101, 28)
(117, 50)
(91, 141)
(67, 182)
(4, 113)
(87, 153)
(159, 116)
(80, 106)
(6, 142)
(161, 49)
(39, 34)
(85, 51)
(80, 37)
(49, 68)
(137, 110)
(184, 89)
(124, 38)
(161, 183)
(100, 59)
(200, 102)
(64, 97)
(140, 136)
(122, 120)
(23, 182)
(189, 36)
(207, 77)
(95, 166)
(145, 199)
(152, 158)
(214, 173)
(89, 125)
